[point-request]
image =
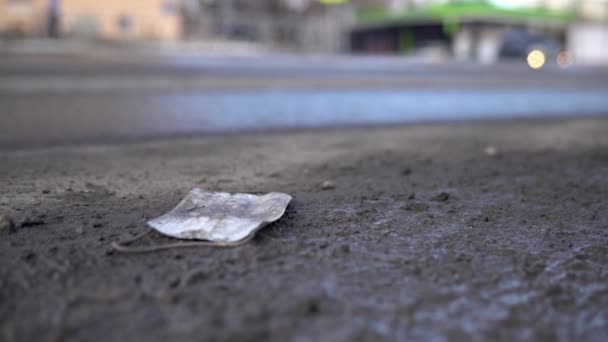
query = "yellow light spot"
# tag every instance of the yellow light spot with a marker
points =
(536, 59)
(564, 59)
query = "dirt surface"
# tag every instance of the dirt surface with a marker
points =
(425, 234)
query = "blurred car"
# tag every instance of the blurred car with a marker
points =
(517, 44)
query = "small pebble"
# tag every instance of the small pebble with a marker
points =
(345, 248)
(442, 197)
(417, 207)
(6, 224)
(328, 185)
(490, 151)
(29, 256)
(28, 221)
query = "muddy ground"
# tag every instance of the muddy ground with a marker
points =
(424, 237)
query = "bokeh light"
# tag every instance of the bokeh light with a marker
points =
(565, 59)
(536, 59)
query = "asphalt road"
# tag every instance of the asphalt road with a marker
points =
(59, 99)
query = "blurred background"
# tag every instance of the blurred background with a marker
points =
(312, 63)
(478, 30)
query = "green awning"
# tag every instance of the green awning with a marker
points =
(463, 10)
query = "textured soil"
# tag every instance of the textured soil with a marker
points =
(426, 235)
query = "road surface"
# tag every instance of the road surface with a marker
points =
(68, 99)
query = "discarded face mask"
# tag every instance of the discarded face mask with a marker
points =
(218, 218)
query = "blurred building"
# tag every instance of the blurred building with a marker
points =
(119, 19)
(21, 18)
(483, 30)
(292, 25)
(107, 19)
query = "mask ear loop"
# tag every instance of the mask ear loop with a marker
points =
(122, 246)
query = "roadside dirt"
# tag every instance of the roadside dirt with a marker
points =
(422, 236)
